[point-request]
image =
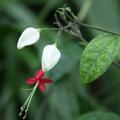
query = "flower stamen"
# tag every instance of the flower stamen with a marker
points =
(26, 105)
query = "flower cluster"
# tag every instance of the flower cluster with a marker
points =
(50, 58)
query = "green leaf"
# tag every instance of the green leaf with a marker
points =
(99, 116)
(98, 56)
(118, 57)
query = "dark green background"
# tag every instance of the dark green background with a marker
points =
(66, 99)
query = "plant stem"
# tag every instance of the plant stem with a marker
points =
(26, 89)
(96, 28)
(62, 28)
(80, 24)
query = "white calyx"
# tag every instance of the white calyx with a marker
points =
(29, 36)
(50, 57)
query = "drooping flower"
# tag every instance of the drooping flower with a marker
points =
(50, 57)
(29, 36)
(41, 81)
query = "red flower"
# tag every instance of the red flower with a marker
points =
(39, 78)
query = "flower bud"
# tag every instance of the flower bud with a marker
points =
(50, 57)
(29, 36)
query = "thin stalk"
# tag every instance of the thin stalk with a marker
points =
(24, 89)
(80, 24)
(62, 28)
(96, 28)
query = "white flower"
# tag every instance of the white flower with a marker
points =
(50, 57)
(29, 36)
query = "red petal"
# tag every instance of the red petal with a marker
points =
(47, 80)
(40, 74)
(42, 87)
(31, 80)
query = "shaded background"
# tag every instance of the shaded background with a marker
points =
(66, 99)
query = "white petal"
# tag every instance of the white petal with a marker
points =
(29, 36)
(50, 57)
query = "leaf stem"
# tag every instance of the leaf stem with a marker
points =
(80, 24)
(62, 28)
(96, 28)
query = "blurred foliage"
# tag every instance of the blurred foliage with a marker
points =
(66, 99)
